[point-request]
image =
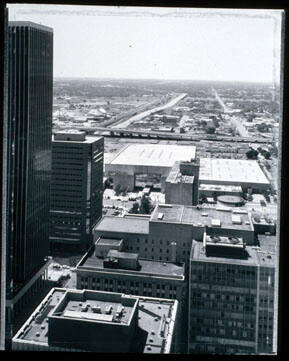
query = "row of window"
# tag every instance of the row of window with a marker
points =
(148, 285)
(228, 332)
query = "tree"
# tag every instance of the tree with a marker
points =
(252, 154)
(117, 189)
(210, 129)
(145, 205)
(267, 155)
(135, 208)
(107, 183)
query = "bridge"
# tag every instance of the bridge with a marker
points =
(154, 134)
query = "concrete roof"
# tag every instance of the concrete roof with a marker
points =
(200, 216)
(88, 139)
(123, 225)
(231, 170)
(108, 241)
(156, 268)
(153, 314)
(255, 257)
(154, 155)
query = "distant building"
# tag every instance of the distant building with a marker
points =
(231, 296)
(182, 183)
(146, 160)
(29, 128)
(76, 188)
(155, 161)
(235, 172)
(85, 320)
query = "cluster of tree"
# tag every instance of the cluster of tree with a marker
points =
(252, 154)
(210, 129)
(247, 196)
(144, 207)
(108, 183)
(263, 128)
(202, 198)
(120, 190)
(266, 195)
(266, 154)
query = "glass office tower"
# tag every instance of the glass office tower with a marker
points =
(30, 96)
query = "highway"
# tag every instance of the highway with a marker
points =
(234, 120)
(147, 113)
(220, 101)
(132, 133)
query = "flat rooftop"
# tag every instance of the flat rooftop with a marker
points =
(75, 137)
(93, 306)
(261, 256)
(130, 224)
(199, 254)
(156, 317)
(231, 170)
(30, 24)
(108, 241)
(201, 216)
(175, 176)
(157, 155)
(150, 267)
(219, 188)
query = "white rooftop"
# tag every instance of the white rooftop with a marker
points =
(231, 170)
(154, 155)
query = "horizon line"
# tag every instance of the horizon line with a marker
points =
(169, 79)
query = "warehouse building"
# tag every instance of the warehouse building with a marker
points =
(152, 162)
(234, 172)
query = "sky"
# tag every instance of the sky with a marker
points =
(160, 43)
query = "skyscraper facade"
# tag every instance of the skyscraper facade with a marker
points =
(231, 297)
(76, 188)
(30, 85)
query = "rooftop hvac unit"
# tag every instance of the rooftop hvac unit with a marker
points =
(96, 309)
(160, 216)
(108, 309)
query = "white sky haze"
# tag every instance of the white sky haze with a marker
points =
(160, 43)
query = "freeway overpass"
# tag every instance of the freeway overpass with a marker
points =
(132, 133)
(148, 112)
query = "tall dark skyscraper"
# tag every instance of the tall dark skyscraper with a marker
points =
(30, 85)
(76, 188)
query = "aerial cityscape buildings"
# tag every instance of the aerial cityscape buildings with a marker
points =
(141, 215)
(30, 82)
